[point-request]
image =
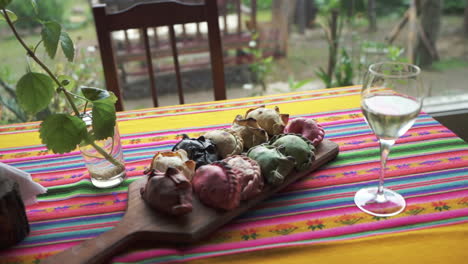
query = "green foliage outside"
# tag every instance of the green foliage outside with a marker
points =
(261, 4)
(85, 71)
(46, 10)
(343, 74)
(454, 6)
(384, 8)
(449, 64)
(296, 85)
(348, 70)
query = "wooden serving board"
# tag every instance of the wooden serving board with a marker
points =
(140, 222)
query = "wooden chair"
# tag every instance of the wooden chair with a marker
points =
(152, 15)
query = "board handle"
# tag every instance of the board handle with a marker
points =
(98, 249)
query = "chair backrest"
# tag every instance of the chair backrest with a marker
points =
(152, 15)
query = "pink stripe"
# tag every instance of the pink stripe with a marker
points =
(27, 148)
(19, 131)
(181, 131)
(153, 144)
(74, 153)
(147, 254)
(35, 250)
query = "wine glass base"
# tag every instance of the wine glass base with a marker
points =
(391, 203)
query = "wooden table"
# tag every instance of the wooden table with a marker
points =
(313, 220)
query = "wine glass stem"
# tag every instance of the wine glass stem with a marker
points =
(385, 145)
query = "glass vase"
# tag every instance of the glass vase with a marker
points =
(103, 172)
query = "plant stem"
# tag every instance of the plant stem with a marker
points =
(106, 155)
(43, 66)
(79, 96)
(59, 89)
(84, 108)
(37, 45)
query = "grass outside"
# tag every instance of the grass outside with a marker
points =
(15, 58)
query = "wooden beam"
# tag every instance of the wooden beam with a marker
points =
(412, 31)
(422, 34)
(398, 27)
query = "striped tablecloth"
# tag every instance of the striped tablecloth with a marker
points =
(313, 219)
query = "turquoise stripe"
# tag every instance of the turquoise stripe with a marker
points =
(155, 133)
(57, 237)
(72, 222)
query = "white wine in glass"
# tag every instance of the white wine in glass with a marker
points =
(391, 99)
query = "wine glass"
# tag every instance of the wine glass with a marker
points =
(392, 95)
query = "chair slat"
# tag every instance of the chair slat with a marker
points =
(253, 12)
(128, 45)
(156, 37)
(175, 56)
(149, 15)
(149, 65)
(239, 17)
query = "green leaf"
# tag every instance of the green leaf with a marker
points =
(50, 36)
(4, 3)
(67, 82)
(67, 46)
(326, 79)
(104, 117)
(34, 5)
(10, 14)
(34, 91)
(94, 94)
(302, 83)
(61, 133)
(268, 59)
(103, 111)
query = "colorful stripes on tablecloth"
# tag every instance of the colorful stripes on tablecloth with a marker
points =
(428, 165)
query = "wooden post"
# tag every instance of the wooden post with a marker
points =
(239, 17)
(372, 15)
(282, 12)
(301, 16)
(465, 23)
(333, 42)
(428, 30)
(396, 30)
(253, 14)
(412, 16)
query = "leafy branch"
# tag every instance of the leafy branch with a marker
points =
(61, 132)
